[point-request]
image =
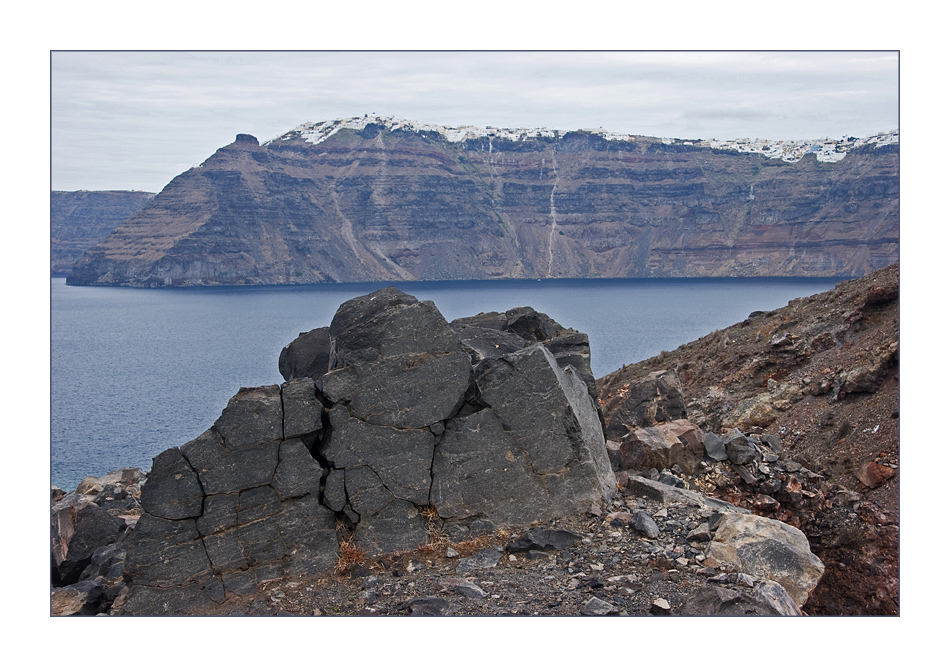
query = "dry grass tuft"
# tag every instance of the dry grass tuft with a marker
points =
(468, 547)
(350, 555)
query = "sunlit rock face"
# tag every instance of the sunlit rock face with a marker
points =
(379, 199)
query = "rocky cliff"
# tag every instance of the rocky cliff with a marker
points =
(376, 199)
(79, 220)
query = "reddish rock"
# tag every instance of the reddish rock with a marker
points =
(873, 474)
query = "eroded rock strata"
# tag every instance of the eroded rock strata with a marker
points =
(79, 220)
(377, 200)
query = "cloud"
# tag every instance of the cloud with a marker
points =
(133, 118)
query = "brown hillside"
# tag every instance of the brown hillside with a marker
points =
(822, 372)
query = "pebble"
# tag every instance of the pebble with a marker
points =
(660, 607)
(597, 607)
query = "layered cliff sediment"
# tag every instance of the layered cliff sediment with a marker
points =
(380, 200)
(80, 219)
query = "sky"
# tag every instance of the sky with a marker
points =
(133, 120)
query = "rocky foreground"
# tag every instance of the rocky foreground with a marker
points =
(746, 495)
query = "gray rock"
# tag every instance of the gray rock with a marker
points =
(402, 457)
(307, 530)
(643, 523)
(699, 534)
(471, 591)
(166, 553)
(479, 470)
(78, 527)
(253, 416)
(308, 356)
(597, 607)
(107, 561)
(168, 601)
(523, 326)
(483, 343)
(738, 448)
(544, 539)
(774, 596)
(429, 606)
(302, 410)
(715, 447)
(298, 473)
(774, 442)
(225, 470)
(396, 527)
(172, 490)
(482, 560)
(719, 601)
(554, 421)
(402, 365)
(668, 495)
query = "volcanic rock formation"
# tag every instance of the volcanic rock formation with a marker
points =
(404, 430)
(376, 199)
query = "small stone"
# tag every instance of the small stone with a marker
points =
(699, 534)
(368, 597)
(484, 559)
(644, 524)
(660, 607)
(451, 553)
(428, 606)
(745, 579)
(597, 607)
(471, 591)
(683, 562)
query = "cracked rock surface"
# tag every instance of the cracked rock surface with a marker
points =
(398, 429)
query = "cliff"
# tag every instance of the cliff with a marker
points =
(376, 199)
(79, 220)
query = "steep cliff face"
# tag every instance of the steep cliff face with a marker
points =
(79, 220)
(378, 201)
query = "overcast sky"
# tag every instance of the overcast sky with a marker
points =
(134, 120)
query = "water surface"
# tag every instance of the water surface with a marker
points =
(134, 372)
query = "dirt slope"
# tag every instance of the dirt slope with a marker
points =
(822, 372)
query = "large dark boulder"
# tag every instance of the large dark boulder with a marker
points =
(413, 424)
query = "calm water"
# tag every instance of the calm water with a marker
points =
(134, 372)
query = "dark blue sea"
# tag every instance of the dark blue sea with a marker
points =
(134, 372)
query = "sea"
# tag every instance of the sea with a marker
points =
(136, 371)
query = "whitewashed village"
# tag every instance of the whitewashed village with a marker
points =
(789, 150)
